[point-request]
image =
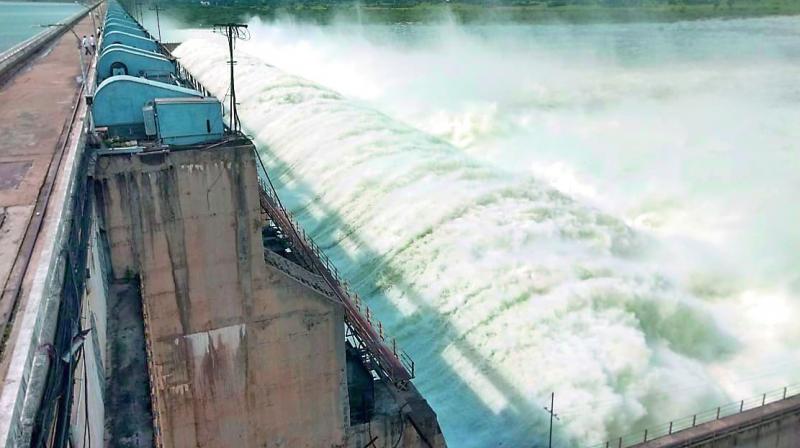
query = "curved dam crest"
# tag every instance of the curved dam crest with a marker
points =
(501, 288)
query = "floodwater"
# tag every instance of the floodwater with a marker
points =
(606, 211)
(22, 20)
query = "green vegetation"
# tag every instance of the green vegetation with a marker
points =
(519, 11)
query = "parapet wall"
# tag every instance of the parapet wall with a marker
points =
(13, 59)
(774, 425)
(240, 353)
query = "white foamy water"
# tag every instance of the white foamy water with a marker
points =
(605, 212)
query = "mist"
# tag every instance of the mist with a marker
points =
(603, 211)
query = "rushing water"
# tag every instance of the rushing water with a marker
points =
(603, 211)
(22, 20)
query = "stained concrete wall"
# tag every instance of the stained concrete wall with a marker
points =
(391, 426)
(775, 425)
(781, 433)
(240, 353)
(89, 392)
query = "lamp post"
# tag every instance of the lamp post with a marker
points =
(552, 413)
(80, 47)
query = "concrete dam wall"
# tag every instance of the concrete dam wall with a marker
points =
(167, 298)
(240, 352)
(773, 425)
(238, 349)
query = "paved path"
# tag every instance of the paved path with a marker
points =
(35, 106)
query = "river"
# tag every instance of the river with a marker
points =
(23, 20)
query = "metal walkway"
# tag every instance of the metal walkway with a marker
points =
(387, 362)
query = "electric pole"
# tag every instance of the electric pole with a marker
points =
(234, 32)
(553, 414)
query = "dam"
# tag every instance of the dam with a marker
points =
(179, 303)
(161, 293)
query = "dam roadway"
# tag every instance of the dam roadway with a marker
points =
(38, 106)
(40, 120)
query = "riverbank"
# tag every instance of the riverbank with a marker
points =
(553, 11)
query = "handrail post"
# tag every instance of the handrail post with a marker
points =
(741, 406)
(718, 412)
(694, 420)
(670, 428)
(764, 399)
(645, 436)
(784, 393)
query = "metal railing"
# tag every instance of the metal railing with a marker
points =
(388, 363)
(700, 418)
(11, 58)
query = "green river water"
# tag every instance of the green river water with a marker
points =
(22, 20)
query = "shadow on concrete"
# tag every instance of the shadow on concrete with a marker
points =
(129, 414)
(521, 423)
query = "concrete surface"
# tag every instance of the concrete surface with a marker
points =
(775, 425)
(41, 95)
(390, 427)
(241, 354)
(36, 104)
(89, 396)
(129, 415)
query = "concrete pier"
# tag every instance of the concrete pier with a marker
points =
(241, 352)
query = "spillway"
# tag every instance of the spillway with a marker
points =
(503, 288)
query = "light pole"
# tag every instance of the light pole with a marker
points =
(94, 24)
(80, 47)
(552, 413)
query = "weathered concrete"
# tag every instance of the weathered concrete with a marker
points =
(775, 425)
(243, 347)
(88, 413)
(390, 427)
(129, 416)
(241, 353)
(41, 94)
(37, 106)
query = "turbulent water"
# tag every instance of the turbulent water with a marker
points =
(21, 20)
(603, 211)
